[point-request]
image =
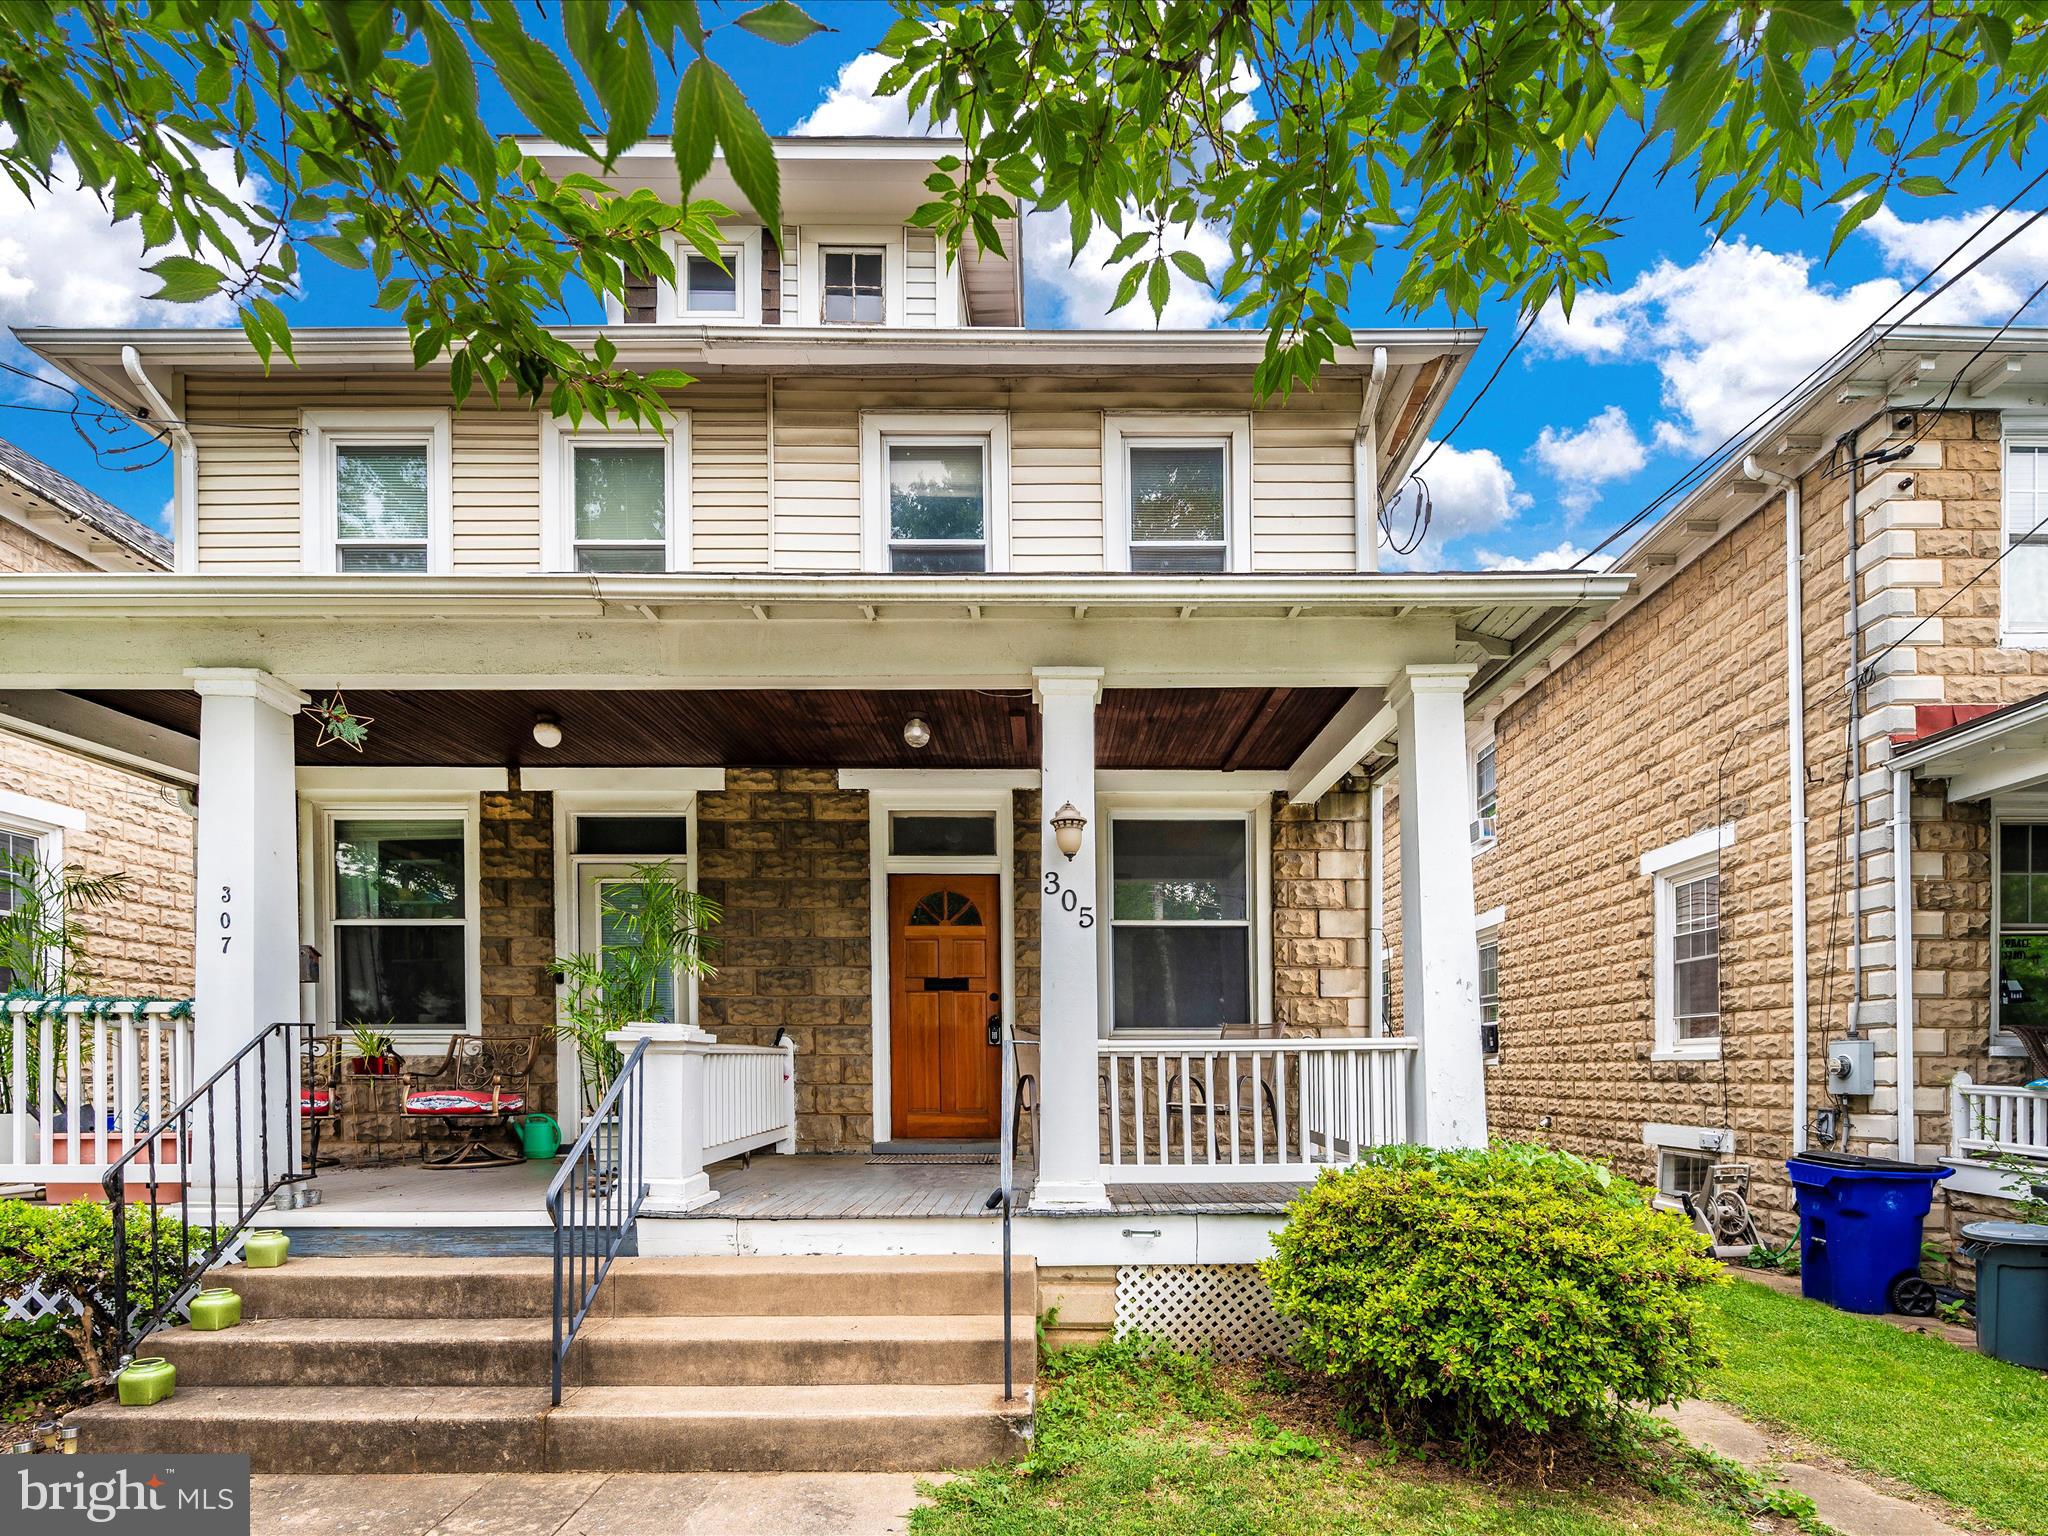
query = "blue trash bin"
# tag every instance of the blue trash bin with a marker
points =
(1860, 1220)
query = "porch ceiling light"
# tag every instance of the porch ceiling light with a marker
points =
(547, 731)
(1067, 823)
(916, 733)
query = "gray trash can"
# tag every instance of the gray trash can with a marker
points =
(2012, 1290)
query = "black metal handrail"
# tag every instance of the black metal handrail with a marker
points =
(600, 1186)
(217, 1110)
(1005, 1194)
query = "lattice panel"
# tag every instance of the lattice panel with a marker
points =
(35, 1303)
(1224, 1308)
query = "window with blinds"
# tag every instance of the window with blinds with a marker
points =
(2024, 578)
(621, 508)
(380, 507)
(1180, 505)
(1696, 958)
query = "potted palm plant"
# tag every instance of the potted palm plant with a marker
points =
(42, 955)
(654, 936)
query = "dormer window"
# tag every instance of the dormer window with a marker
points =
(853, 285)
(708, 287)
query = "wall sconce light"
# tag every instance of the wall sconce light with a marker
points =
(916, 733)
(547, 731)
(1067, 823)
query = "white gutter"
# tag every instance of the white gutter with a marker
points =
(1365, 467)
(1902, 954)
(185, 468)
(1795, 777)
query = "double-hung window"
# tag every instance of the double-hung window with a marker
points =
(614, 500)
(401, 905)
(853, 284)
(375, 486)
(935, 490)
(1485, 796)
(1180, 921)
(1489, 994)
(1686, 906)
(2020, 926)
(2023, 573)
(1176, 493)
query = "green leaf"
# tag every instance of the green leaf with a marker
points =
(1191, 264)
(532, 76)
(339, 251)
(1158, 287)
(1127, 286)
(696, 123)
(780, 21)
(185, 281)
(749, 152)
(1925, 186)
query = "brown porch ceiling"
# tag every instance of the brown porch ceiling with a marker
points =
(1260, 729)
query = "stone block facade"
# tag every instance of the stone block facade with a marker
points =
(1321, 942)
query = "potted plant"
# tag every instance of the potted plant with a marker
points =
(654, 937)
(375, 1053)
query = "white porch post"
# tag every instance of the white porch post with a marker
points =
(1440, 959)
(673, 1085)
(1069, 999)
(246, 965)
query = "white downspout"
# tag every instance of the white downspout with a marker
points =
(1365, 467)
(184, 468)
(1795, 753)
(1902, 954)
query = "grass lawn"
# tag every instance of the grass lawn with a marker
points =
(1137, 1441)
(1909, 1405)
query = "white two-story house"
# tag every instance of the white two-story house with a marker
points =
(988, 677)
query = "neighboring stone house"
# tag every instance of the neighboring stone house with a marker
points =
(66, 800)
(1636, 841)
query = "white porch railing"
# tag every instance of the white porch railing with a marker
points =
(749, 1099)
(1997, 1119)
(1217, 1111)
(106, 1068)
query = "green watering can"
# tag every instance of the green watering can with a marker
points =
(539, 1136)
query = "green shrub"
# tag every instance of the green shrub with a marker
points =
(1477, 1297)
(71, 1248)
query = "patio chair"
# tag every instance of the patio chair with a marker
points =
(474, 1091)
(1195, 1099)
(1026, 1099)
(319, 1092)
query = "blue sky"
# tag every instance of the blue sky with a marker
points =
(1588, 421)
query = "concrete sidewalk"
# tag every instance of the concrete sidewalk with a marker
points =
(568, 1504)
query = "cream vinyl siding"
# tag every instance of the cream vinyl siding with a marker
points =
(1301, 474)
(920, 277)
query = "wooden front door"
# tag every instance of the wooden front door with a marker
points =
(944, 980)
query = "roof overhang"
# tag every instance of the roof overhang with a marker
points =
(2003, 752)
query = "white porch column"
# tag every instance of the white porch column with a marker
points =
(1069, 998)
(1440, 959)
(673, 1085)
(246, 964)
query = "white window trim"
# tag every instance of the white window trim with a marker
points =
(46, 822)
(321, 432)
(932, 791)
(1224, 803)
(318, 815)
(1670, 868)
(815, 241)
(1484, 837)
(559, 440)
(615, 792)
(2031, 808)
(1120, 430)
(2015, 431)
(670, 300)
(1486, 930)
(877, 428)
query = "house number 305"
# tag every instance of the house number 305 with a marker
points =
(1069, 899)
(227, 918)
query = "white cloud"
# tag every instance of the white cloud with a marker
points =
(64, 262)
(1083, 289)
(852, 108)
(1605, 448)
(1557, 558)
(1732, 330)
(1470, 492)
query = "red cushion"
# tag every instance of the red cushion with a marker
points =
(315, 1101)
(460, 1101)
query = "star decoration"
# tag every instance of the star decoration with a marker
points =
(337, 724)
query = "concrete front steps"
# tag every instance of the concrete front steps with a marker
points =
(401, 1364)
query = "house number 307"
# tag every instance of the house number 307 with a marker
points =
(1069, 900)
(227, 918)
